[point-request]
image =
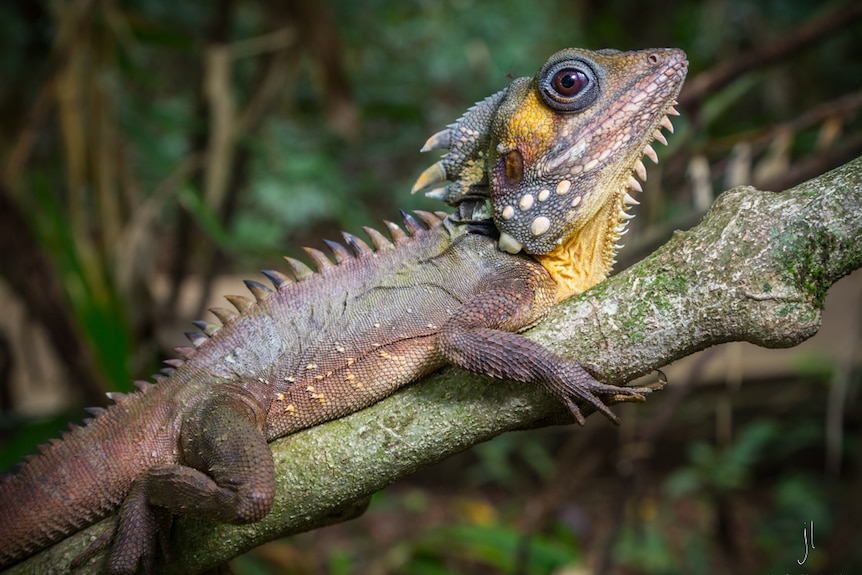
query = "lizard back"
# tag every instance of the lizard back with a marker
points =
(360, 328)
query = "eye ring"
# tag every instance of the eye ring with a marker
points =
(568, 85)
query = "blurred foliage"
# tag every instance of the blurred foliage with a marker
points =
(153, 145)
(732, 489)
(715, 470)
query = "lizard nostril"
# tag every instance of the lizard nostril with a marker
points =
(652, 58)
(514, 167)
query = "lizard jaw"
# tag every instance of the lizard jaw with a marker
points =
(638, 174)
(594, 247)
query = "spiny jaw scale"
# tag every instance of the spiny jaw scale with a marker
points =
(639, 170)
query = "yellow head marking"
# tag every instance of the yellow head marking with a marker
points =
(529, 129)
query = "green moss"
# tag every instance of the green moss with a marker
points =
(804, 258)
(668, 282)
(632, 324)
(811, 267)
(655, 289)
(786, 310)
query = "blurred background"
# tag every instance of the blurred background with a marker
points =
(155, 153)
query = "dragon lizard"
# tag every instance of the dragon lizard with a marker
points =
(540, 175)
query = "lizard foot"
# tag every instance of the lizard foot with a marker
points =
(136, 536)
(142, 561)
(101, 543)
(577, 383)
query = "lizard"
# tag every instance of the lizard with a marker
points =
(540, 176)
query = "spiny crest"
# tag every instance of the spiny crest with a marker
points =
(116, 396)
(355, 248)
(410, 223)
(196, 337)
(461, 171)
(278, 279)
(208, 329)
(299, 270)
(398, 235)
(358, 247)
(95, 412)
(338, 251)
(241, 303)
(142, 385)
(320, 259)
(257, 289)
(185, 350)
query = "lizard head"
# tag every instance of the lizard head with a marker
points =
(556, 155)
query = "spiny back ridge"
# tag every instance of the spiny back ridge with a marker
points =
(355, 248)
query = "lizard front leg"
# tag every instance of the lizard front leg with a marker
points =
(479, 338)
(226, 475)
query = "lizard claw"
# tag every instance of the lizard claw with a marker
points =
(576, 412)
(579, 383)
(637, 393)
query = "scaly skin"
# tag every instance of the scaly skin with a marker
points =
(325, 344)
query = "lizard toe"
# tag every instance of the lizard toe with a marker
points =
(576, 384)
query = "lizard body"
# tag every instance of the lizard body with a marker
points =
(323, 344)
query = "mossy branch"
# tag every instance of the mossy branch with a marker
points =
(756, 269)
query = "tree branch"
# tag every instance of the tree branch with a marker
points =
(756, 269)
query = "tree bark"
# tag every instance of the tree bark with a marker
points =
(756, 269)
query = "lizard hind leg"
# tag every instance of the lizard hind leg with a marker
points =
(226, 474)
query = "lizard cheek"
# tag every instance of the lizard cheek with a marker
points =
(514, 167)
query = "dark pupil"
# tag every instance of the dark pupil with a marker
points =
(569, 82)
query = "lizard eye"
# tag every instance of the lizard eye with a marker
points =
(568, 85)
(569, 82)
